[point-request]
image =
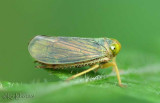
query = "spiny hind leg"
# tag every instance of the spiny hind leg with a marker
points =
(86, 71)
(114, 65)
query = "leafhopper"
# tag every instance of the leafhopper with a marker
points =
(67, 52)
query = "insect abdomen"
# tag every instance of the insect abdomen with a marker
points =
(80, 64)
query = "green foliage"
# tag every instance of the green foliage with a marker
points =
(140, 76)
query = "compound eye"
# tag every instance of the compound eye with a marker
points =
(113, 47)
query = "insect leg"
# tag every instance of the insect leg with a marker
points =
(114, 65)
(86, 71)
(44, 66)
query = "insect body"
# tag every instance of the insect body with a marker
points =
(65, 52)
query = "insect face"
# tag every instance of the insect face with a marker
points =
(115, 47)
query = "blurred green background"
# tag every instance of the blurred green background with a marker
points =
(135, 23)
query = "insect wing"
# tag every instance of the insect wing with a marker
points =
(64, 50)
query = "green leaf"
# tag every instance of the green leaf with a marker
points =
(141, 78)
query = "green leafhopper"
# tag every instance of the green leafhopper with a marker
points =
(66, 52)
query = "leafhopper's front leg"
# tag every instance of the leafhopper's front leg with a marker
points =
(114, 65)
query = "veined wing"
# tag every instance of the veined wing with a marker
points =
(64, 50)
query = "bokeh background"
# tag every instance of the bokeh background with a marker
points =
(135, 23)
